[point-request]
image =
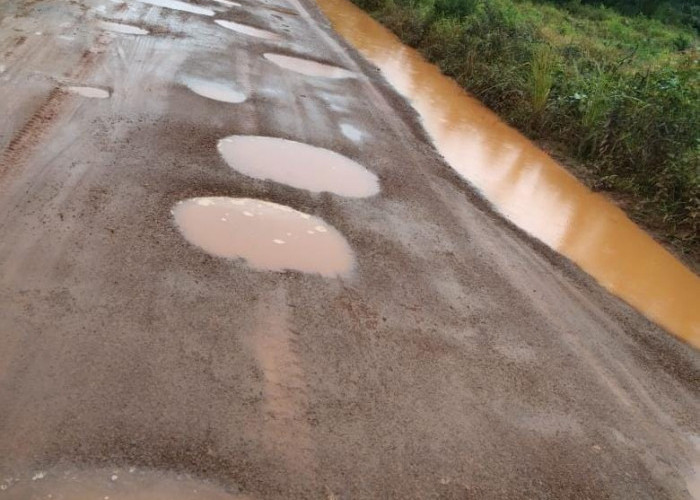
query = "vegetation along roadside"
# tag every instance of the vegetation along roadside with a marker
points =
(614, 87)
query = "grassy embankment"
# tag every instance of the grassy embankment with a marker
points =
(616, 89)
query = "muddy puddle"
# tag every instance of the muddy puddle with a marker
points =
(298, 165)
(308, 67)
(216, 90)
(110, 484)
(248, 30)
(266, 235)
(90, 92)
(125, 29)
(527, 186)
(181, 6)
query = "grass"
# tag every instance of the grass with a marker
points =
(616, 93)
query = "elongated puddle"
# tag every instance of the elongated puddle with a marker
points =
(527, 186)
(247, 30)
(125, 29)
(91, 92)
(267, 235)
(308, 67)
(218, 91)
(111, 484)
(182, 6)
(298, 165)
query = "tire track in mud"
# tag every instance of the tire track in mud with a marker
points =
(285, 429)
(25, 141)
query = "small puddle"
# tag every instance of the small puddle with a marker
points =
(351, 132)
(308, 67)
(182, 6)
(247, 30)
(266, 235)
(218, 91)
(111, 484)
(91, 92)
(126, 29)
(526, 185)
(227, 3)
(298, 165)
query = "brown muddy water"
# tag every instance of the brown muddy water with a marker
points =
(308, 67)
(527, 186)
(110, 484)
(247, 30)
(267, 235)
(298, 165)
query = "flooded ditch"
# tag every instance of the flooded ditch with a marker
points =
(527, 186)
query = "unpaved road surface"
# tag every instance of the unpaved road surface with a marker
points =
(459, 360)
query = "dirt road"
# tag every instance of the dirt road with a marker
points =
(459, 359)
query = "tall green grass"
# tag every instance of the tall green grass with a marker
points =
(619, 94)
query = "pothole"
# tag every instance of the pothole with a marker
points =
(247, 30)
(126, 29)
(266, 235)
(112, 484)
(219, 91)
(298, 165)
(308, 67)
(91, 92)
(182, 6)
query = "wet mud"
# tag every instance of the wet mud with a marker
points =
(459, 358)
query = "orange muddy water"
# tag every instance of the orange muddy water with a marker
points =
(527, 186)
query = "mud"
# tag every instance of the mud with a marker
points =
(122, 28)
(298, 165)
(461, 358)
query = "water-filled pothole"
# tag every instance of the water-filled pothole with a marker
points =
(112, 484)
(126, 29)
(182, 6)
(247, 30)
(298, 165)
(218, 91)
(308, 67)
(267, 235)
(91, 92)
